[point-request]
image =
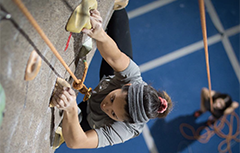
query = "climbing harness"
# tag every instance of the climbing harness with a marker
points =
(204, 32)
(78, 83)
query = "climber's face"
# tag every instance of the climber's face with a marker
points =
(113, 105)
(219, 103)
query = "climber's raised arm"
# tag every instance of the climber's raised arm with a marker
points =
(107, 47)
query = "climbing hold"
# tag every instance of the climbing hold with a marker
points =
(60, 83)
(2, 103)
(80, 17)
(33, 66)
(120, 4)
(86, 47)
(58, 139)
(4, 15)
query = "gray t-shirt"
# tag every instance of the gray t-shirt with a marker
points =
(112, 132)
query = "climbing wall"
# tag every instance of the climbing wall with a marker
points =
(28, 124)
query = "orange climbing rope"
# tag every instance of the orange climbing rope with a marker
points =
(219, 128)
(78, 83)
(204, 32)
(43, 35)
(81, 87)
(216, 128)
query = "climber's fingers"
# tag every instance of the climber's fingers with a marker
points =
(87, 31)
(96, 15)
(95, 31)
(95, 11)
(96, 24)
(63, 102)
(59, 101)
(65, 98)
(58, 91)
(71, 92)
(70, 95)
(97, 19)
(54, 101)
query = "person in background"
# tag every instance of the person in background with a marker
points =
(222, 105)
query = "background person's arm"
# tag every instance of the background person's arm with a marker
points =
(205, 93)
(231, 108)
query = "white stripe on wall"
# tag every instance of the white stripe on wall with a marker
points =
(149, 140)
(147, 8)
(185, 50)
(177, 54)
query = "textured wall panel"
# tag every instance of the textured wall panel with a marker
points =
(29, 123)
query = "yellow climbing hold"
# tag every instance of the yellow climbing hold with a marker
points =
(58, 140)
(120, 4)
(80, 17)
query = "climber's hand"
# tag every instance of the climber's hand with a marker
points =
(64, 99)
(96, 22)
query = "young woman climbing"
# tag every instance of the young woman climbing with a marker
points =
(222, 105)
(122, 103)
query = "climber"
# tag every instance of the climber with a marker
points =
(122, 103)
(222, 105)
